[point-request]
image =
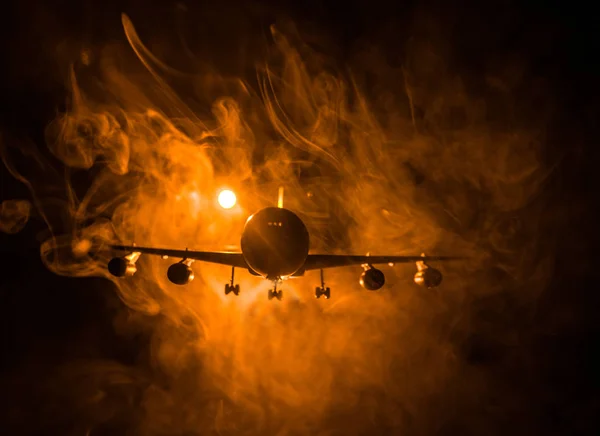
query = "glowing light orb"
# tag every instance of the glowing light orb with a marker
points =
(227, 199)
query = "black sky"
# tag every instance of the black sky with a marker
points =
(48, 321)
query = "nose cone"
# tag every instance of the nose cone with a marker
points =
(275, 242)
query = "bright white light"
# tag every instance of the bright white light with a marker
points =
(227, 199)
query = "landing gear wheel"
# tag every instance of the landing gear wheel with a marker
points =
(275, 294)
(230, 288)
(322, 290)
(325, 292)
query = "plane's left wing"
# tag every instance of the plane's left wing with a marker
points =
(219, 257)
(320, 261)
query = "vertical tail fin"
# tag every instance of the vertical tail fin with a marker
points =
(280, 198)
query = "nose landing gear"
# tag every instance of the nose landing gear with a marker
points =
(274, 293)
(322, 291)
(230, 287)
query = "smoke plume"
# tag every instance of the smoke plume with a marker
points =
(14, 215)
(401, 159)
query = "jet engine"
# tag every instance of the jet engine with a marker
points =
(372, 279)
(180, 274)
(121, 267)
(428, 277)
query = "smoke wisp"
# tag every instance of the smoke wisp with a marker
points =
(401, 160)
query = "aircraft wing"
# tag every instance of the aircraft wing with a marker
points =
(320, 261)
(219, 257)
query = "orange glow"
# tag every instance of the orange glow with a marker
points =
(229, 364)
(227, 199)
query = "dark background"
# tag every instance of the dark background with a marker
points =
(47, 320)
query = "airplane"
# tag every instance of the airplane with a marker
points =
(275, 246)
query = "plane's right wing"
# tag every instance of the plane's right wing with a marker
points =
(320, 261)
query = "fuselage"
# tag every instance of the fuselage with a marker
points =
(275, 243)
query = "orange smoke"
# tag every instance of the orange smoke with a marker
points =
(14, 215)
(246, 365)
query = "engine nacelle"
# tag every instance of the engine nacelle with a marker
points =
(372, 279)
(121, 267)
(428, 277)
(180, 274)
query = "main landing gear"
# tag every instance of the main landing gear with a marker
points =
(274, 293)
(230, 287)
(326, 292)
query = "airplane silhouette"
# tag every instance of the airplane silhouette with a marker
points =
(275, 245)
